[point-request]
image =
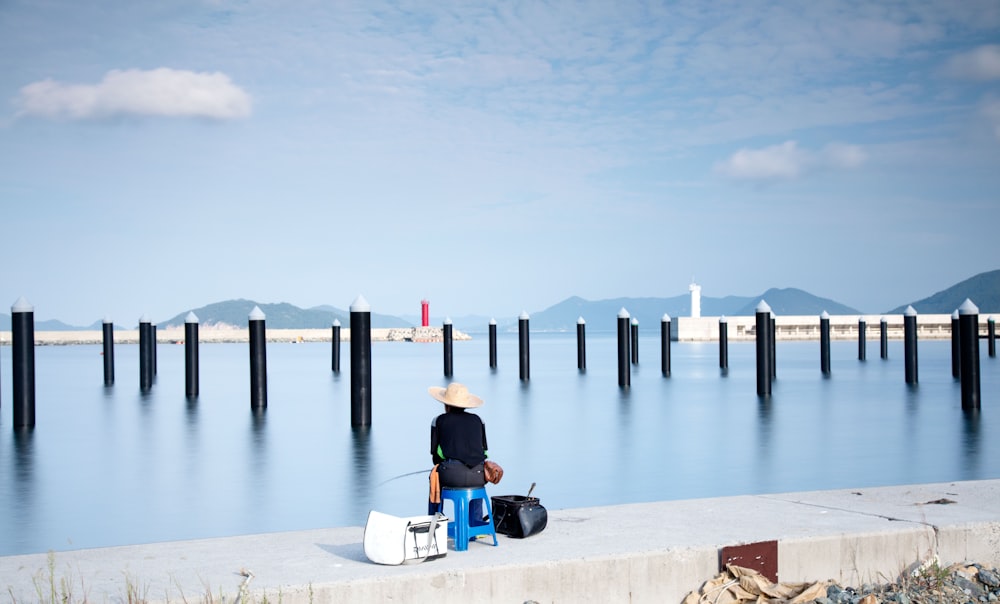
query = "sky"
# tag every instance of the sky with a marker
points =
(492, 158)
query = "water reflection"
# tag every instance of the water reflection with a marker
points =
(970, 443)
(361, 477)
(23, 487)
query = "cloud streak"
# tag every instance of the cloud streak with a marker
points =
(981, 64)
(788, 161)
(161, 92)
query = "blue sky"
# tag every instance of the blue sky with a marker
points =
(492, 157)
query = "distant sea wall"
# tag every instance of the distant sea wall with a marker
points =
(175, 335)
(842, 327)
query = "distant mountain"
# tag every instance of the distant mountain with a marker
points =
(278, 316)
(983, 290)
(602, 315)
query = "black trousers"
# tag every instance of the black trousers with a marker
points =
(457, 475)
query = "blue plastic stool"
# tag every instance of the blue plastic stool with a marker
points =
(468, 522)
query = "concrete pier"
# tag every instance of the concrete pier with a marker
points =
(649, 552)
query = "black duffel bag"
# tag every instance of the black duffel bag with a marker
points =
(518, 516)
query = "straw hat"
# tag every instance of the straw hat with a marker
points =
(456, 395)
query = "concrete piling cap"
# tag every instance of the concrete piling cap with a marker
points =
(722, 319)
(21, 305)
(580, 321)
(763, 307)
(954, 314)
(968, 308)
(107, 319)
(493, 321)
(910, 311)
(256, 314)
(666, 318)
(523, 316)
(336, 322)
(191, 317)
(360, 305)
(447, 320)
(635, 321)
(623, 314)
(143, 319)
(824, 315)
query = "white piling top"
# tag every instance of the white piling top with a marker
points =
(666, 318)
(256, 314)
(623, 314)
(635, 321)
(954, 314)
(523, 316)
(882, 319)
(336, 322)
(763, 307)
(824, 315)
(191, 318)
(722, 319)
(143, 319)
(21, 305)
(493, 321)
(968, 308)
(910, 311)
(861, 319)
(580, 321)
(360, 305)
(447, 320)
(107, 319)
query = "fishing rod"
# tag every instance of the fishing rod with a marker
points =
(403, 476)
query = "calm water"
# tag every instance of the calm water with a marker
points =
(110, 466)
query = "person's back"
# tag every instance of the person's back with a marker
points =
(458, 438)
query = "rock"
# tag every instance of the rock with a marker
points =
(988, 577)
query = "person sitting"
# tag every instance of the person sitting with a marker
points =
(458, 438)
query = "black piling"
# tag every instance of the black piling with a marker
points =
(968, 318)
(665, 345)
(634, 340)
(258, 360)
(910, 344)
(581, 344)
(772, 340)
(108, 331)
(524, 353)
(991, 334)
(335, 346)
(22, 327)
(862, 339)
(883, 326)
(152, 344)
(493, 343)
(824, 343)
(145, 354)
(624, 370)
(361, 361)
(762, 316)
(723, 343)
(956, 351)
(446, 339)
(191, 355)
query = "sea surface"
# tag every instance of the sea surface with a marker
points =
(111, 466)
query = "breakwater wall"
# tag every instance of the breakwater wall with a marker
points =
(807, 327)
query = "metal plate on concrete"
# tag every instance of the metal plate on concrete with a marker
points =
(761, 557)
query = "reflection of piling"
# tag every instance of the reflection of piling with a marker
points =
(361, 361)
(22, 327)
(191, 355)
(524, 353)
(108, 331)
(772, 339)
(447, 348)
(762, 315)
(581, 344)
(258, 360)
(723, 343)
(862, 339)
(991, 331)
(335, 346)
(956, 352)
(634, 341)
(665, 345)
(493, 343)
(145, 354)
(624, 371)
(883, 326)
(824, 343)
(910, 344)
(968, 320)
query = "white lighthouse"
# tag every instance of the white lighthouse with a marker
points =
(695, 299)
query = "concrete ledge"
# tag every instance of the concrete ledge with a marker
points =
(650, 552)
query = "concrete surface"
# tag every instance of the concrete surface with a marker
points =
(649, 552)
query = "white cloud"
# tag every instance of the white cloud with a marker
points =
(158, 92)
(787, 161)
(991, 109)
(982, 63)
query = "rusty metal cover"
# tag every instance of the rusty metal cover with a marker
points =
(761, 557)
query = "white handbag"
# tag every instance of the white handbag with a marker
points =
(394, 540)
